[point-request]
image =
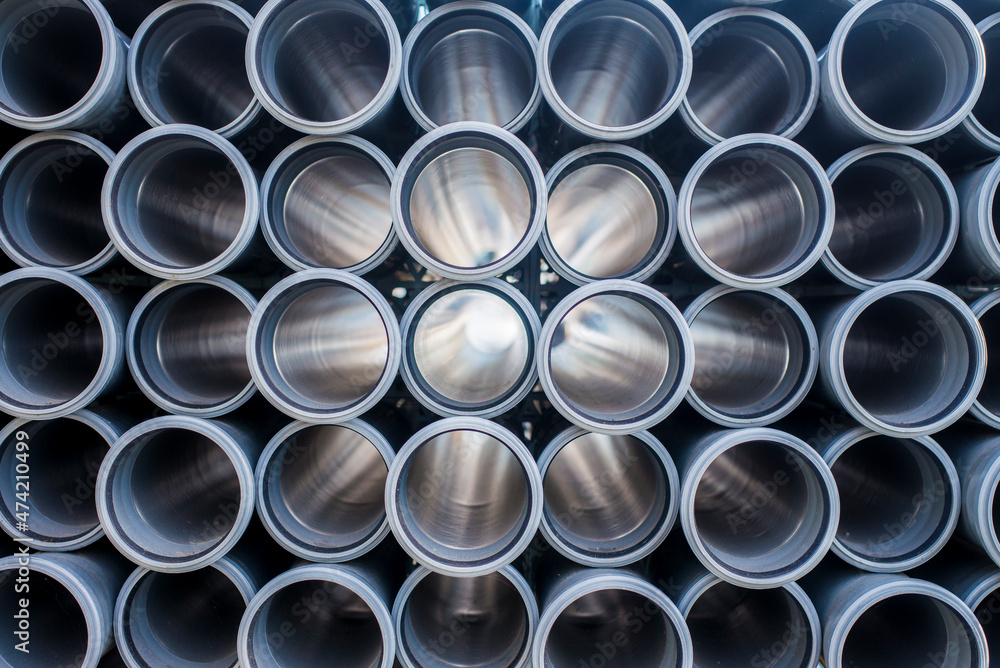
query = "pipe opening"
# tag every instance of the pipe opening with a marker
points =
(761, 510)
(919, 52)
(465, 498)
(989, 395)
(734, 626)
(341, 625)
(892, 219)
(190, 67)
(757, 211)
(751, 74)
(324, 60)
(174, 494)
(179, 202)
(895, 499)
(910, 630)
(52, 203)
(56, 616)
(460, 622)
(615, 63)
(616, 356)
(986, 612)
(751, 355)
(606, 496)
(51, 56)
(329, 206)
(471, 348)
(987, 109)
(190, 345)
(471, 65)
(183, 619)
(53, 343)
(592, 621)
(66, 455)
(324, 487)
(909, 361)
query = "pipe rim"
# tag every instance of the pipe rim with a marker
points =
(631, 553)
(467, 134)
(679, 384)
(441, 15)
(650, 173)
(441, 405)
(796, 37)
(274, 526)
(155, 394)
(132, 549)
(269, 192)
(270, 306)
(397, 508)
(980, 308)
(670, 21)
(351, 123)
(148, 28)
(972, 125)
(120, 167)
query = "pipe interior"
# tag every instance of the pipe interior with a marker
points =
(987, 612)
(191, 67)
(174, 494)
(179, 202)
(750, 75)
(987, 109)
(471, 348)
(757, 211)
(910, 630)
(339, 624)
(593, 621)
(330, 206)
(191, 345)
(324, 60)
(50, 57)
(606, 217)
(472, 66)
(462, 622)
(605, 495)
(734, 626)
(52, 203)
(989, 395)
(891, 217)
(913, 51)
(470, 203)
(65, 456)
(183, 619)
(326, 346)
(325, 487)
(895, 499)
(614, 63)
(52, 343)
(616, 356)
(760, 508)
(58, 627)
(908, 359)
(751, 352)
(465, 497)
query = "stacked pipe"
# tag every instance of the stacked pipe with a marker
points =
(448, 334)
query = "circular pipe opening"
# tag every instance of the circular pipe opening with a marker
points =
(613, 69)
(754, 71)
(897, 216)
(609, 500)
(324, 66)
(326, 204)
(186, 65)
(321, 489)
(755, 355)
(983, 121)
(57, 615)
(756, 211)
(986, 612)
(470, 348)
(45, 181)
(987, 406)
(469, 202)
(471, 61)
(611, 214)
